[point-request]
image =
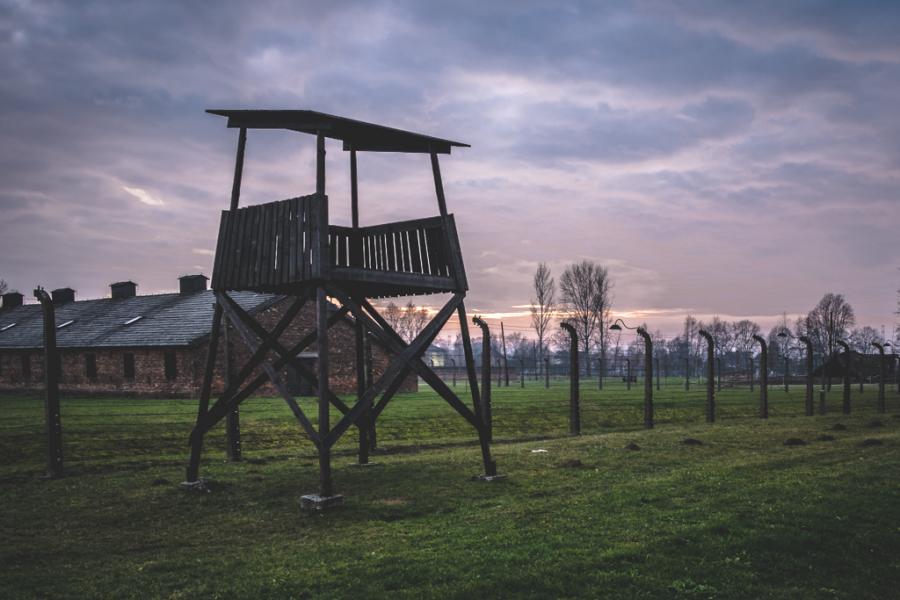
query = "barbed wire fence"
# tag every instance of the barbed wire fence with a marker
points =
(530, 400)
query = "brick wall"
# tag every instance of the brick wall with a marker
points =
(341, 352)
(149, 364)
(149, 372)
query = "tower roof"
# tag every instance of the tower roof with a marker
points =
(356, 135)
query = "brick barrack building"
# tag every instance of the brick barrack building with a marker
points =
(156, 345)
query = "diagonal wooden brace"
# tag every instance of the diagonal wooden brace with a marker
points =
(290, 357)
(232, 310)
(224, 405)
(259, 355)
(410, 353)
(395, 344)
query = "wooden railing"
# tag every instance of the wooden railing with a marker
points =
(424, 246)
(269, 245)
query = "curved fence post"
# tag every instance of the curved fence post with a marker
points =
(600, 373)
(51, 378)
(710, 382)
(522, 372)
(809, 374)
(846, 399)
(881, 376)
(763, 377)
(547, 373)
(486, 376)
(627, 373)
(648, 378)
(574, 410)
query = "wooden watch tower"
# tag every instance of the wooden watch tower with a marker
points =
(289, 247)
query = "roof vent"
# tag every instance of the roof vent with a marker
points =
(12, 300)
(63, 296)
(123, 289)
(192, 284)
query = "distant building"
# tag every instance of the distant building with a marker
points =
(861, 365)
(156, 345)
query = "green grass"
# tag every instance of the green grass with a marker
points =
(741, 516)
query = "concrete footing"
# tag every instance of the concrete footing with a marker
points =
(201, 485)
(496, 477)
(316, 502)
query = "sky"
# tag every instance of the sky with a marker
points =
(739, 159)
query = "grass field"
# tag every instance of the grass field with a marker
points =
(740, 516)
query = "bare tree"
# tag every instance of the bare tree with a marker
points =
(393, 314)
(412, 321)
(543, 306)
(829, 321)
(587, 292)
(742, 333)
(691, 326)
(3, 286)
(861, 339)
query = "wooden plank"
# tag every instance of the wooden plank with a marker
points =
(242, 243)
(251, 236)
(402, 225)
(302, 216)
(265, 243)
(294, 239)
(435, 251)
(391, 251)
(415, 253)
(229, 250)
(221, 245)
(268, 241)
(455, 252)
(401, 251)
(281, 247)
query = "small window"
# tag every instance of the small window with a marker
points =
(26, 366)
(90, 366)
(171, 365)
(128, 365)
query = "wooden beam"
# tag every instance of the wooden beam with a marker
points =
(390, 339)
(325, 485)
(290, 357)
(238, 169)
(232, 310)
(320, 164)
(438, 184)
(218, 411)
(196, 441)
(259, 355)
(414, 350)
(51, 393)
(354, 190)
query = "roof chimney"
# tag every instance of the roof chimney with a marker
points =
(62, 296)
(123, 289)
(191, 284)
(11, 300)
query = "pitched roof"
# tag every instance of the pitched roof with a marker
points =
(356, 135)
(166, 320)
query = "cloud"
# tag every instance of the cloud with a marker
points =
(701, 149)
(143, 195)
